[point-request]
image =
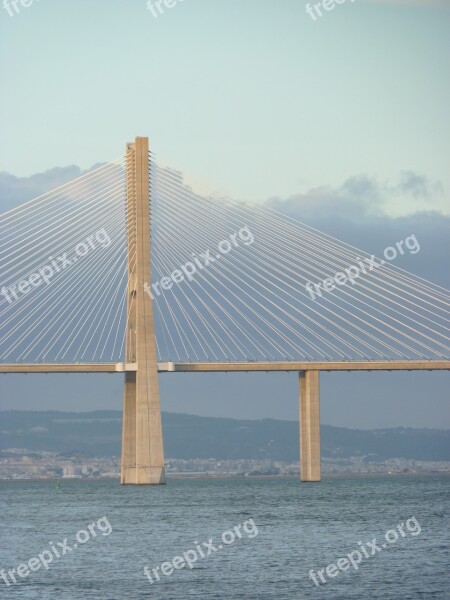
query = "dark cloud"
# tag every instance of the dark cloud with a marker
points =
(356, 198)
(15, 190)
(359, 196)
(355, 213)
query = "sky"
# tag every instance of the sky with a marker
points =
(341, 122)
(252, 94)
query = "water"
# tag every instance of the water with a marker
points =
(300, 527)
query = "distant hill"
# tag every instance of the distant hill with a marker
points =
(185, 436)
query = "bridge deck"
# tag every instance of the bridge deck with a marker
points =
(203, 367)
(309, 366)
(67, 367)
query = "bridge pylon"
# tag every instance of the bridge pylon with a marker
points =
(142, 442)
(309, 404)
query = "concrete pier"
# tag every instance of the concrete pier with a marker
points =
(309, 405)
(142, 443)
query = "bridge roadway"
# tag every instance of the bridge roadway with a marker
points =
(226, 367)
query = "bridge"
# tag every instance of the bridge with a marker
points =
(134, 268)
(229, 367)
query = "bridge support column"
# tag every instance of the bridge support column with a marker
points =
(309, 404)
(142, 442)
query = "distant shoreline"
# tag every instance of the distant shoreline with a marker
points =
(236, 477)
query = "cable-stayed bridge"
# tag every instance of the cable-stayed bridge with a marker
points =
(132, 268)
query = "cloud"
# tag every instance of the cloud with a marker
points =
(419, 186)
(361, 195)
(16, 190)
(355, 213)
